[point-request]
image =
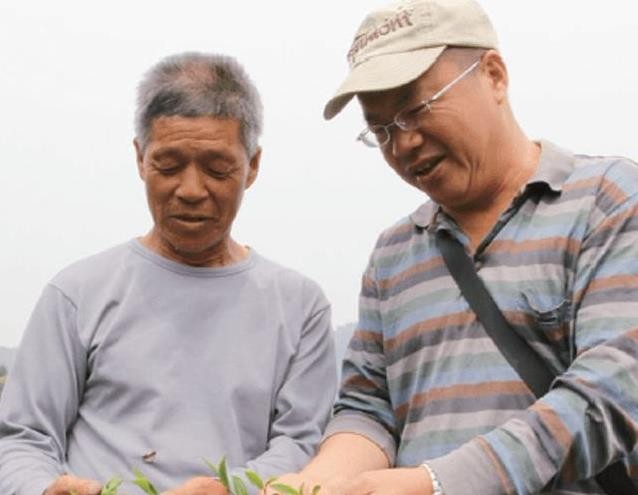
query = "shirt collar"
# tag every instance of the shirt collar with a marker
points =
(555, 165)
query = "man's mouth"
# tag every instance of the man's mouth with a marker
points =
(426, 166)
(191, 218)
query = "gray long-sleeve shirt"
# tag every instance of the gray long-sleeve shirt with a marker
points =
(128, 353)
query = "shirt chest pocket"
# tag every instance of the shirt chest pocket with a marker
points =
(548, 322)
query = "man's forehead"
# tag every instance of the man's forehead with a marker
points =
(175, 125)
(377, 104)
(179, 134)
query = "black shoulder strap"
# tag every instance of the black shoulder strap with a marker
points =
(529, 366)
(614, 479)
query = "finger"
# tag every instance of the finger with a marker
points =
(66, 485)
(201, 485)
(90, 487)
(84, 487)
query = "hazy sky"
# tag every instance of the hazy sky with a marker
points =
(67, 82)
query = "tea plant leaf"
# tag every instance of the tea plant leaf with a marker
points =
(111, 486)
(143, 482)
(255, 479)
(285, 489)
(212, 467)
(223, 474)
(269, 482)
(239, 486)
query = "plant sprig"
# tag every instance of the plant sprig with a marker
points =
(111, 486)
(143, 482)
(236, 486)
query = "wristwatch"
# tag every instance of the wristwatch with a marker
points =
(436, 486)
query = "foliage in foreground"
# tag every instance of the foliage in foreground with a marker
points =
(234, 484)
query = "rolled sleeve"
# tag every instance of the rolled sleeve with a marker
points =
(353, 422)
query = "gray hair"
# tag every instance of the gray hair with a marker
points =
(199, 85)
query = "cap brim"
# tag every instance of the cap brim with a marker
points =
(380, 73)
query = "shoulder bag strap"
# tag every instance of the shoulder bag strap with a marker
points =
(529, 366)
(518, 353)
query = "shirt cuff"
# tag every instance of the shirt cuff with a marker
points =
(353, 422)
(472, 468)
(436, 485)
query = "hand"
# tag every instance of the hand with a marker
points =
(201, 485)
(66, 485)
(397, 481)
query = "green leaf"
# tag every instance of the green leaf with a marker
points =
(143, 482)
(239, 487)
(111, 486)
(223, 474)
(254, 478)
(316, 489)
(269, 482)
(212, 467)
(285, 489)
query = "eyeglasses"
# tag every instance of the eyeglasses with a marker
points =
(408, 119)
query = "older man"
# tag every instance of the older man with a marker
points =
(553, 236)
(183, 344)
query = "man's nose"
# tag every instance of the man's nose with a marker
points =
(403, 143)
(192, 188)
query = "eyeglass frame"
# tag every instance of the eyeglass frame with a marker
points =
(416, 110)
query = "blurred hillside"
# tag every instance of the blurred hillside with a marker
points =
(6, 356)
(6, 360)
(342, 338)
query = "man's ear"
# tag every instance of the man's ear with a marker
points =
(494, 67)
(253, 168)
(139, 156)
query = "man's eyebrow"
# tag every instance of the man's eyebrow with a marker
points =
(408, 94)
(400, 102)
(370, 117)
(168, 152)
(214, 155)
(409, 98)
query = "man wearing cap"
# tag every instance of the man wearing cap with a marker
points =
(428, 403)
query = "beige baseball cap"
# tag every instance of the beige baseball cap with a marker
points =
(396, 44)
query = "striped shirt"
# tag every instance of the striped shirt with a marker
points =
(423, 380)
